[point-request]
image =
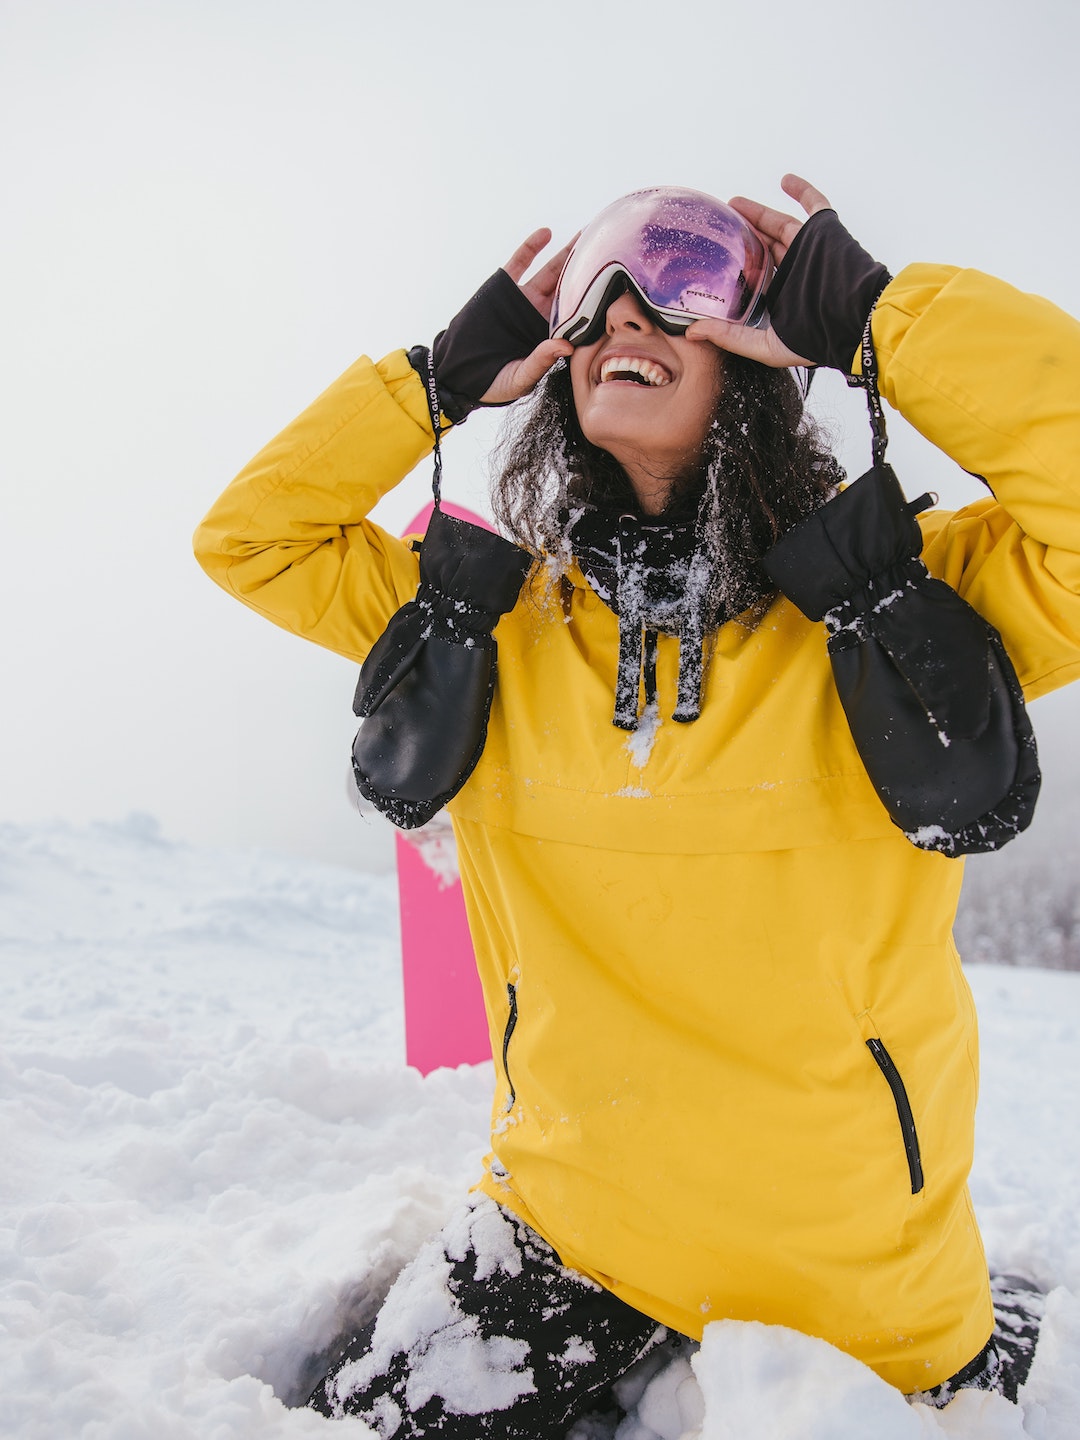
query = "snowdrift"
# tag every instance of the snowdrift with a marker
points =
(215, 1160)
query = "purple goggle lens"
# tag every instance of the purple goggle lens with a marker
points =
(688, 257)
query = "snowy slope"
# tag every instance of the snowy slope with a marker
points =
(214, 1157)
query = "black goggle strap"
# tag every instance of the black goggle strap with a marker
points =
(868, 381)
(436, 428)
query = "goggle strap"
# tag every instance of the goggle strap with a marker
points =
(589, 324)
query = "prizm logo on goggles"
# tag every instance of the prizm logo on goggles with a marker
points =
(685, 255)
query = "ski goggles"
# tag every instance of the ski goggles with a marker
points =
(685, 255)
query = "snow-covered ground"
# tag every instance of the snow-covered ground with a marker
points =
(214, 1158)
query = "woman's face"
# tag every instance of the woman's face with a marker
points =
(652, 412)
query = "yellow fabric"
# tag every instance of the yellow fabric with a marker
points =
(703, 936)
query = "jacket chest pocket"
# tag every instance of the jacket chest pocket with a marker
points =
(887, 1066)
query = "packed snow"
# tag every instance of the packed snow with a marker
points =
(216, 1162)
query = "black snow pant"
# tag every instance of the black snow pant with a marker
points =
(486, 1334)
(1003, 1364)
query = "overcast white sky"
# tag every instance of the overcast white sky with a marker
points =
(211, 208)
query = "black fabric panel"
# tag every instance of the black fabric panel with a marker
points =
(425, 690)
(497, 325)
(420, 737)
(823, 291)
(934, 706)
(864, 531)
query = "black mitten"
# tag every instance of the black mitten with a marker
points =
(497, 325)
(425, 689)
(823, 291)
(934, 705)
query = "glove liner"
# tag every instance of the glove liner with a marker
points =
(934, 705)
(498, 325)
(425, 689)
(824, 289)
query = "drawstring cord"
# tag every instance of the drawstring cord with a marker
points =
(638, 639)
(692, 641)
(629, 602)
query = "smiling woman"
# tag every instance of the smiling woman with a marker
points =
(646, 398)
(720, 453)
(735, 1052)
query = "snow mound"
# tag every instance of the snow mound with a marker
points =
(216, 1162)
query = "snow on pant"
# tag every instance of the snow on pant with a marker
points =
(1004, 1363)
(485, 1333)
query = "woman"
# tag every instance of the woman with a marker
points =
(735, 1052)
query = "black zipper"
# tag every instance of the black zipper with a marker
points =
(903, 1111)
(511, 1021)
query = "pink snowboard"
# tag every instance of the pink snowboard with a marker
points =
(444, 1011)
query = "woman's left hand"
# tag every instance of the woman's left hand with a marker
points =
(779, 230)
(540, 290)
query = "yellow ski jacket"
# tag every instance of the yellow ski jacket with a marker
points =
(736, 1055)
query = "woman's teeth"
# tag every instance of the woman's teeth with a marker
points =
(630, 367)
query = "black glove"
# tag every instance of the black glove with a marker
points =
(823, 292)
(498, 325)
(934, 705)
(425, 689)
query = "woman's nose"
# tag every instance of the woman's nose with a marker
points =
(626, 313)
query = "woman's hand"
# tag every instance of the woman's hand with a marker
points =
(520, 376)
(779, 230)
(540, 290)
(776, 227)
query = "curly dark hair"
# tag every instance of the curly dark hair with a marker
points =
(763, 467)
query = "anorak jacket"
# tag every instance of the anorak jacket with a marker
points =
(686, 949)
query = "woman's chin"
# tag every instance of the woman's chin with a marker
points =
(624, 432)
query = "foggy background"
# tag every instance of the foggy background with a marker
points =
(211, 209)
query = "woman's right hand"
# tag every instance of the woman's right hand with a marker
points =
(496, 347)
(519, 376)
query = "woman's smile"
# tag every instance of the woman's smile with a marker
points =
(645, 397)
(634, 370)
